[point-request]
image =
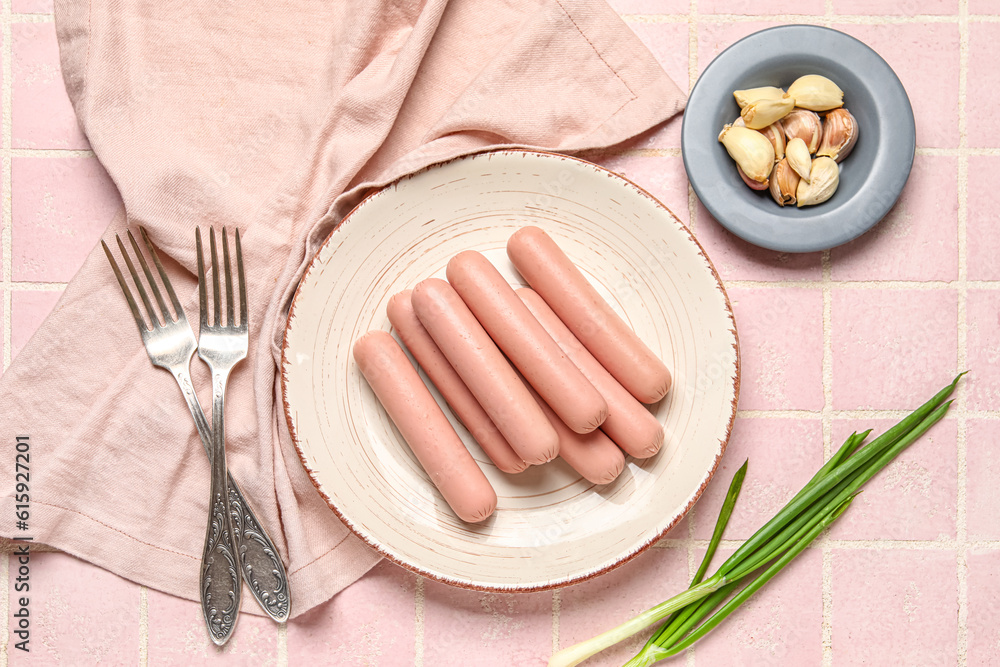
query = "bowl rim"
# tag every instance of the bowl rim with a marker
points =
(903, 147)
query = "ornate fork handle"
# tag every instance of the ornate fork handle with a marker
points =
(261, 567)
(221, 581)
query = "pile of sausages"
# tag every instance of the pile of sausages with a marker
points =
(532, 373)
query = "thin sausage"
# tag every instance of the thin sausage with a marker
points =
(593, 455)
(484, 370)
(525, 342)
(551, 273)
(462, 402)
(629, 423)
(424, 427)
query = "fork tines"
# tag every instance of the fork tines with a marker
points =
(155, 320)
(216, 288)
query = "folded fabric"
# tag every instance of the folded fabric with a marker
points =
(274, 118)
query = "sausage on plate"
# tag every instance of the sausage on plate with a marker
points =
(629, 423)
(561, 284)
(465, 406)
(484, 370)
(424, 426)
(526, 343)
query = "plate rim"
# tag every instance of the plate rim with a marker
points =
(554, 584)
(827, 242)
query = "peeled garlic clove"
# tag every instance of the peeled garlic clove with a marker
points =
(823, 180)
(804, 124)
(784, 182)
(752, 151)
(798, 158)
(816, 92)
(754, 185)
(758, 115)
(776, 135)
(840, 133)
(751, 95)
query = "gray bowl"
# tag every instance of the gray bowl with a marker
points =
(871, 177)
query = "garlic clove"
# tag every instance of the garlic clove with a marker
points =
(776, 135)
(816, 93)
(784, 182)
(758, 115)
(840, 133)
(823, 180)
(754, 185)
(798, 158)
(751, 95)
(752, 151)
(804, 124)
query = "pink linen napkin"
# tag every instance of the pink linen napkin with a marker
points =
(275, 118)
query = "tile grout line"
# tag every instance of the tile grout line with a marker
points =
(5, 604)
(961, 518)
(827, 426)
(690, 655)
(556, 613)
(667, 151)
(281, 644)
(5, 241)
(874, 544)
(143, 626)
(692, 21)
(418, 622)
(826, 569)
(854, 19)
(5, 169)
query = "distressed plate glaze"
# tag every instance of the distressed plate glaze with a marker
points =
(551, 527)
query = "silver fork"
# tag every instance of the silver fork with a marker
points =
(221, 345)
(170, 344)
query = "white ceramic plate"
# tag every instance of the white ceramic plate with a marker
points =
(551, 527)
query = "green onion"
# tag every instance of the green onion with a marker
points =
(817, 505)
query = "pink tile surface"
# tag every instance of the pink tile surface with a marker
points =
(42, 114)
(982, 232)
(751, 8)
(662, 177)
(782, 624)
(918, 239)
(783, 455)
(595, 606)
(176, 636)
(370, 623)
(894, 607)
(915, 497)
(60, 209)
(32, 6)
(982, 123)
(896, 7)
(735, 259)
(669, 43)
(925, 58)
(650, 6)
(79, 613)
(714, 38)
(781, 347)
(27, 311)
(892, 348)
(499, 629)
(984, 607)
(982, 478)
(982, 315)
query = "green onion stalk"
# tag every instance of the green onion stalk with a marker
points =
(693, 613)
